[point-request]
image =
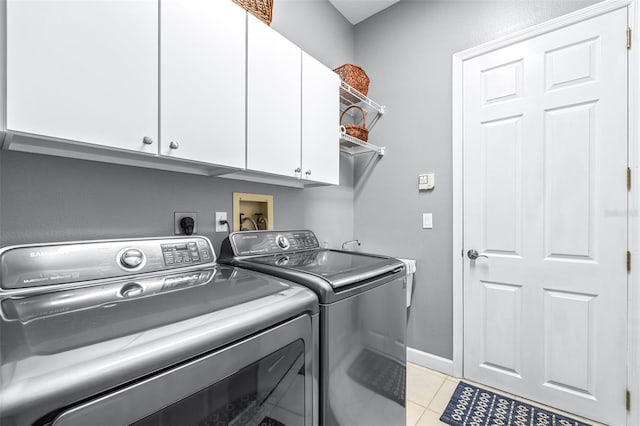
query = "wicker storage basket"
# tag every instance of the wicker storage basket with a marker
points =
(354, 76)
(262, 9)
(357, 131)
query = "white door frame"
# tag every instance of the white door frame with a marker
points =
(633, 230)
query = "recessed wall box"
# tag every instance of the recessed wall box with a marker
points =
(252, 212)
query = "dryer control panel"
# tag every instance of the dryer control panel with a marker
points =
(251, 243)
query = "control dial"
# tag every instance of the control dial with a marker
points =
(132, 258)
(282, 242)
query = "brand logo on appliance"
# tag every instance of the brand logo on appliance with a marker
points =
(48, 253)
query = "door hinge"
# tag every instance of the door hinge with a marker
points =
(628, 178)
(628, 37)
(628, 400)
(628, 261)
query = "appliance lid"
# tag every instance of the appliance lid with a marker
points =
(57, 348)
(339, 268)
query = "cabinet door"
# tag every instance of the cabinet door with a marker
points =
(84, 71)
(273, 101)
(320, 115)
(203, 45)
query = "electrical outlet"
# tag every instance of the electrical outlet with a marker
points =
(221, 227)
(177, 216)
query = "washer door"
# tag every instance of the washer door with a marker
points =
(264, 380)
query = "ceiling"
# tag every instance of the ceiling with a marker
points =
(359, 10)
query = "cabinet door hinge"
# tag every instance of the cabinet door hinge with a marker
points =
(628, 37)
(628, 179)
(628, 261)
(628, 401)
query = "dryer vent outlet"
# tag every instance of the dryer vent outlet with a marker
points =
(183, 227)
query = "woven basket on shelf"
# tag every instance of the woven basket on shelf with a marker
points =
(354, 76)
(262, 9)
(357, 131)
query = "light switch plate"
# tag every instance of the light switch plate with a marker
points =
(427, 220)
(221, 227)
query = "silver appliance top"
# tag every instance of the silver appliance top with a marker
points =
(296, 255)
(63, 339)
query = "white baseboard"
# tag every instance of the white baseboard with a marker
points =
(430, 361)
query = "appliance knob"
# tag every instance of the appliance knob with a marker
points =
(132, 258)
(282, 242)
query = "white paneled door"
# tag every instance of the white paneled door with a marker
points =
(545, 207)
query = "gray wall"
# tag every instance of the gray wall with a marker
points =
(406, 51)
(315, 25)
(44, 198)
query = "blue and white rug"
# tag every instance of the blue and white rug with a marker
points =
(473, 406)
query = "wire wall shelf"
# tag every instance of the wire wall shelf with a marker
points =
(354, 146)
(350, 96)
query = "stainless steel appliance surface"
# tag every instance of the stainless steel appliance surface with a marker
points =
(152, 332)
(362, 320)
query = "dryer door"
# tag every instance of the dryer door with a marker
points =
(264, 380)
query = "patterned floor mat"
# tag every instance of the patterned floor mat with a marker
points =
(473, 406)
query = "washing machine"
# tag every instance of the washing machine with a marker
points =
(362, 320)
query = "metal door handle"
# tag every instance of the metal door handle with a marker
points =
(473, 254)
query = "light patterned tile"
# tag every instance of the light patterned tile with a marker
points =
(430, 418)
(440, 401)
(453, 379)
(422, 385)
(419, 367)
(414, 412)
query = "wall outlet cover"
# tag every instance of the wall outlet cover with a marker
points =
(177, 216)
(221, 227)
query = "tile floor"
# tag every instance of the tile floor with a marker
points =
(428, 393)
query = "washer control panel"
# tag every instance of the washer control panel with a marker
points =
(186, 253)
(250, 243)
(33, 265)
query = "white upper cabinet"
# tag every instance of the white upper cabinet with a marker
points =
(84, 71)
(320, 115)
(203, 87)
(273, 101)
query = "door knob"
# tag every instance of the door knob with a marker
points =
(174, 145)
(308, 172)
(298, 170)
(147, 140)
(473, 254)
